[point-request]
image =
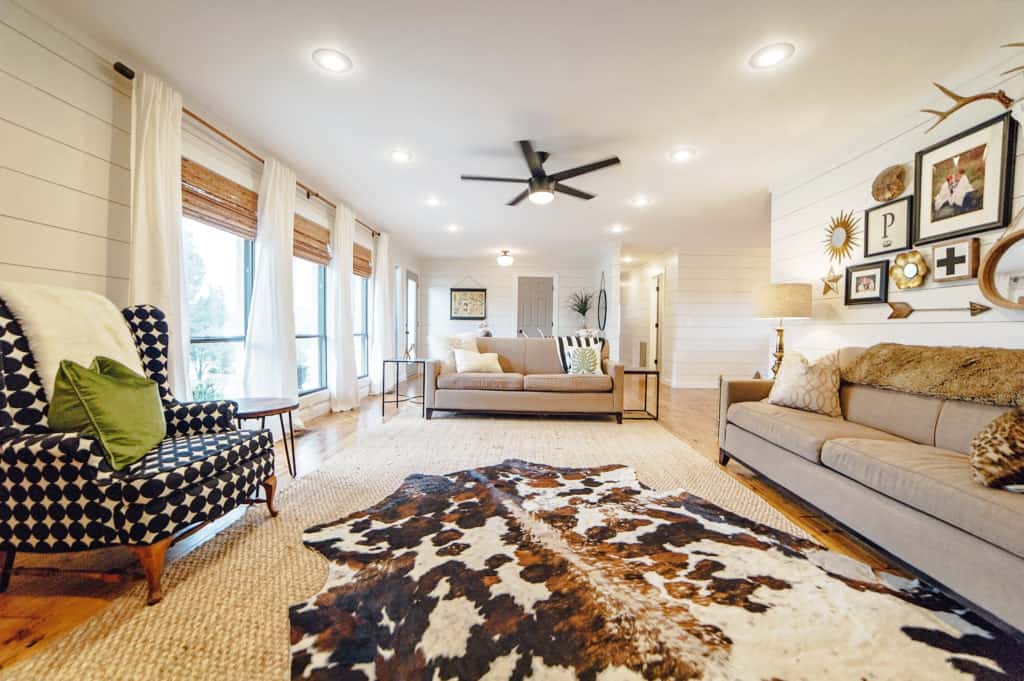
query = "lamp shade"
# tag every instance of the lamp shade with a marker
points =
(778, 301)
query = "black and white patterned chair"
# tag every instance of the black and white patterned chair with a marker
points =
(58, 493)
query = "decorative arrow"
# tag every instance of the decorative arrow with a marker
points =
(903, 310)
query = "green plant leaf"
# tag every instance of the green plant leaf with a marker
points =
(584, 361)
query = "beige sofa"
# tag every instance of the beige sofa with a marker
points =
(895, 470)
(533, 382)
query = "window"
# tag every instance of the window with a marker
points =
(309, 284)
(218, 278)
(360, 297)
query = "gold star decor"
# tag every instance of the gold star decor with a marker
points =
(830, 282)
(841, 236)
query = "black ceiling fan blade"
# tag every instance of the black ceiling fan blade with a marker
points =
(581, 170)
(488, 178)
(586, 196)
(533, 159)
(519, 197)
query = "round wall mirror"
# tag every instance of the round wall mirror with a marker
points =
(838, 237)
(602, 309)
(1001, 277)
(909, 270)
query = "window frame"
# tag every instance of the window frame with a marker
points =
(249, 251)
(321, 330)
(364, 338)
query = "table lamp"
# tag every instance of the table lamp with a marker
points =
(782, 301)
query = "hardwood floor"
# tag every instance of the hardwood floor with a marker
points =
(38, 609)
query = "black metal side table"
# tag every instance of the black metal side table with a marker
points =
(262, 407)
(384, 401)
(644, 414)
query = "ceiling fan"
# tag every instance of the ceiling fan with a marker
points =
(541, 187)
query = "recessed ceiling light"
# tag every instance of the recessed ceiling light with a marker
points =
(505, 259)
(770, 56)
(332, 60)
(682, 154)
(453, 228)
(401, 156)
(640, 201)
(617, 228)
(434, 202)
(627, 259)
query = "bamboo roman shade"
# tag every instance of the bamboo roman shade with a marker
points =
(311, 241)
(216, 200)
(361, 261)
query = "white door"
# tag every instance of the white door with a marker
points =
(654, 339)
(412, 315)
(535, 316)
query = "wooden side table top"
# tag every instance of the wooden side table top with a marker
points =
(256, 407)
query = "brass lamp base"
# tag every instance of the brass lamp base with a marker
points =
(779, 351)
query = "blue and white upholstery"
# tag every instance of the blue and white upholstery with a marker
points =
(57, 491)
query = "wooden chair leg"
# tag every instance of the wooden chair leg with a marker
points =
(269, 487)
(723, 457)
(152, 558)
(6, 564)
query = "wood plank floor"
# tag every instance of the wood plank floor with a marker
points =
(37, 610)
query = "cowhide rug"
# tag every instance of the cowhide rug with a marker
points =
(525, 571)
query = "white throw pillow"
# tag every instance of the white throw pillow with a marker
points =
(585, 360)
(441, 347)
(477, 363)
(809, 387)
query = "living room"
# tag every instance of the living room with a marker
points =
(548, 341)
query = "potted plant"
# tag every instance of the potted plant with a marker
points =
(581, 302)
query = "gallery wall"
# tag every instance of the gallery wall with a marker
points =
(802, 208)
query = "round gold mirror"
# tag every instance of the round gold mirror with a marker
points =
(1001, 277)
(908, 270)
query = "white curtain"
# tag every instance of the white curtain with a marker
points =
(382, 315)
(270, 342)
(342, 377)
(156, 269)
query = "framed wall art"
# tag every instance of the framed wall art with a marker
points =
(467, 303)
(956, 260)
(867, 283)
(887, 227)
(964, 184)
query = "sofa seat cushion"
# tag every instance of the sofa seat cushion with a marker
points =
(934, 481)
(567, 383)
(801, 432)
(475, 381)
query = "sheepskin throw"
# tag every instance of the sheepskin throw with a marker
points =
(997, 452)
(986, 375)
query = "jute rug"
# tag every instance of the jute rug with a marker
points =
(525, 571)
(225, 614)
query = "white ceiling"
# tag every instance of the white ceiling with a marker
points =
(457, 83)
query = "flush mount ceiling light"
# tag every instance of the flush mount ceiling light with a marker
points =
(682, 154)
(401, 156)
(332, 60)
(617, 228)
(453, 228)
(770, 56)
(627, 259)
(505, 259)
(640, 201)
(434, 202)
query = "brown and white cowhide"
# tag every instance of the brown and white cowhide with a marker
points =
(524, 571)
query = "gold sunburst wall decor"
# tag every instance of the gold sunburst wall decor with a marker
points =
(841, 236)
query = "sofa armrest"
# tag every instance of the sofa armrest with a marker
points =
(617, 372)
(200, 418)
(432, 369)
(731, 391)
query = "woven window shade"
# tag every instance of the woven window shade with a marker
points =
(312, 241)
(217, 201)
(361, 266)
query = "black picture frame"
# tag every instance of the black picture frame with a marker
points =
(906, 228)
(882, 266)
(1004, 200)
(451, 304)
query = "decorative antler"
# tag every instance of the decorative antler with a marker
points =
(961, 101)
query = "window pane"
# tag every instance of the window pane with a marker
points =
(361, 355)
(215, 280)
(307, 355)
(306, 290)
(217, 370)
(358, 304)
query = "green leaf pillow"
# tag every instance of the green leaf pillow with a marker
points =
(585, 360)
(111, 403)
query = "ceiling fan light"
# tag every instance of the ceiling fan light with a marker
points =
(542, 197)
(505, 259)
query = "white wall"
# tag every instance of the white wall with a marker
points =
(802, 208)
(637, 290)
(65, 121)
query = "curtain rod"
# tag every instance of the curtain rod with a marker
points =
(129, 73)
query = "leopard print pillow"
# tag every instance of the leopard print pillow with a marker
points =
(997, 452)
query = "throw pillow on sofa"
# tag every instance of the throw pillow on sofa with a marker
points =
(477, 363)
(585, 360)
(997, 452)
(441, 348)
(111, 403)
(806, 386)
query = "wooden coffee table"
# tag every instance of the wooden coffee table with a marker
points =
(260, 408)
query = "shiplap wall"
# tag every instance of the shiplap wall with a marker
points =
(637, 290)
(65, 121)
(802, 210)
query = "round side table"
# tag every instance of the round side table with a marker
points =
(260, 408)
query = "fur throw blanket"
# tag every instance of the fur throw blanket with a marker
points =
(986, 375)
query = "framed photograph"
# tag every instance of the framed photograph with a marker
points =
(468, 303)
(956, 260)
(887, 227)
(964, 184)
(867, 283)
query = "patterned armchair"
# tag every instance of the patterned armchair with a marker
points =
(58, 493)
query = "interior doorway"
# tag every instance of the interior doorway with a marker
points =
(535, 309)
(654, 334)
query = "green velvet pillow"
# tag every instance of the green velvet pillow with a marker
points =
(111, 403)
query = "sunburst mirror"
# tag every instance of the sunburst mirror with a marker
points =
(841, 236)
